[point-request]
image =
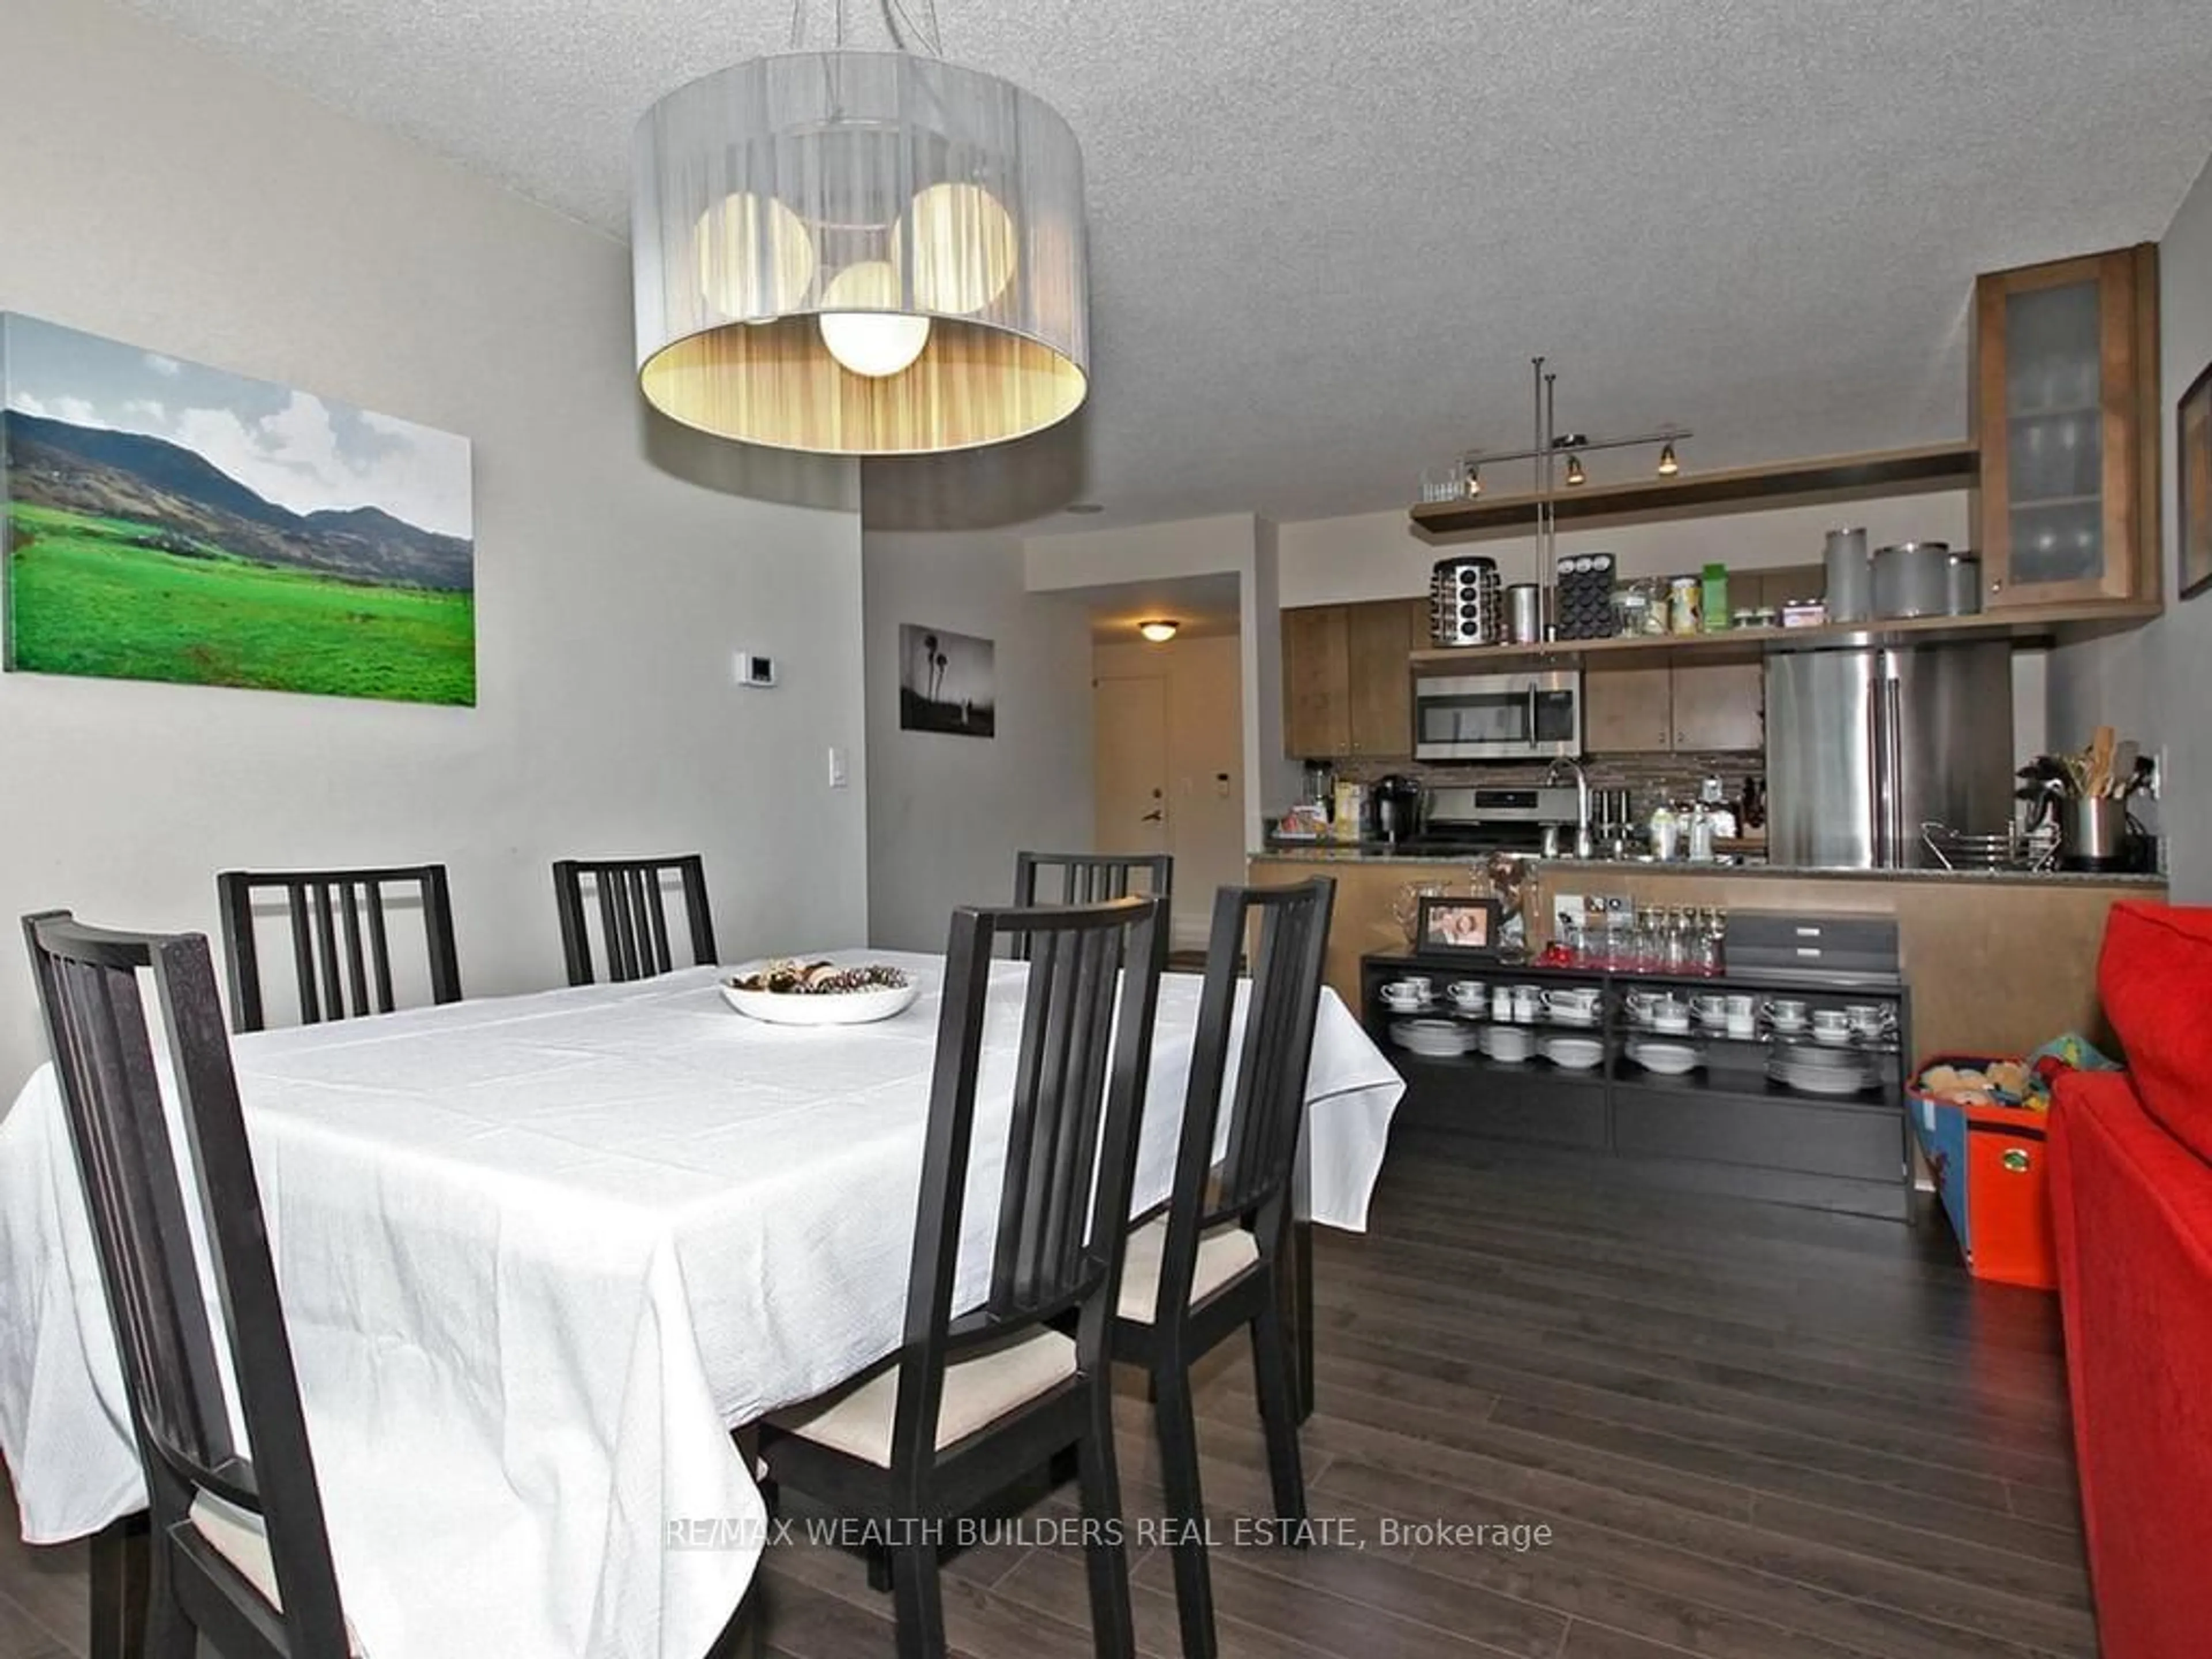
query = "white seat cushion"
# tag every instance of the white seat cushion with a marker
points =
(978, 1390)
(241, 1538)
(1222, 1253)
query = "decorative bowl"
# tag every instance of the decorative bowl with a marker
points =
(1574, 1054)
(1668, 1059)
(824, 1003)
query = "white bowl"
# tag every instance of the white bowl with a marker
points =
(822, 1007)
(1575, 1053)
(1668, 1059)
(1503, 1043)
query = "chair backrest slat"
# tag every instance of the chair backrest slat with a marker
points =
(1250, 1181)
(1087, 879)
(1078, 1088)
(139, 1189)
(341, 940)
(633, 918)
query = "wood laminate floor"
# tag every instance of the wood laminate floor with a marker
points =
(1753, 1433)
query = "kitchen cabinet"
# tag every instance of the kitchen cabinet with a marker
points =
(1688, 708)
(1719, 706)
(1347, 683)
(1628, 711)
(2065, 401)
(1316, 683)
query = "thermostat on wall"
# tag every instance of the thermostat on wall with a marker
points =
(754, 670)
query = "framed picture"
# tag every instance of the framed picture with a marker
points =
(160, 519)
(1451, 926)
(2193, 465)
(948, 682)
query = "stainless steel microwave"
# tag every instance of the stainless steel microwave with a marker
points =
(1490, 717)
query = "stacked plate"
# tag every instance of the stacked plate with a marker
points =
(1822, 1071)
(1438, 1039)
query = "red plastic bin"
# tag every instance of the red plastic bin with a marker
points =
(1989, 1164)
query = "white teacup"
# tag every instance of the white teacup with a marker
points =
(1787, 1015)
(1407, 992)
(1468, 993)
(1573, 1002)
(1670, 1017)
(1742, 1007)
(1710, 1007)
(1743, 1025)
(1832, 1024)
(1865, 1018)
(1528, 1002)
(1640, 1004)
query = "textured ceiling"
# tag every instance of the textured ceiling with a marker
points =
(1328, 236)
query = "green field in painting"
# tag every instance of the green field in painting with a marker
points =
(86, 598)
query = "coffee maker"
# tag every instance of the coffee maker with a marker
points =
(1394, 806)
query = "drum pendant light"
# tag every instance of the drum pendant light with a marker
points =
(859, 252)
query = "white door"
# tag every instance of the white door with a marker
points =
(1131, 785)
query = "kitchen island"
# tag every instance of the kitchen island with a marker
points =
(2000, 962)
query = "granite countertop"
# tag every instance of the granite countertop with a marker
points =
(1376, 852)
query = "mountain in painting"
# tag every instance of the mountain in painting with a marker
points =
(194, 504)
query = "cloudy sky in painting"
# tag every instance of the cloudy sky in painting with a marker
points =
(300, 451)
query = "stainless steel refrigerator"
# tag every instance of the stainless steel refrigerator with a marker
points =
(1865, 747)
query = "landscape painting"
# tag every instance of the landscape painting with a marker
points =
(946, 682)
(161, 520)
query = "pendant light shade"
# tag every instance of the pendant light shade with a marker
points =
(859, 253)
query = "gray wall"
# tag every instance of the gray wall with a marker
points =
(155, 192)
(2155, 685)
(947, 814)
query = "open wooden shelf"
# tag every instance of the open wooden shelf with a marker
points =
(1830, 478)
(2059, 622)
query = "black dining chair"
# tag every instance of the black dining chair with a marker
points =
(975, 1399)
(1088, 879)
(341, 939)
(632, 906)
(1211, 1262)
(238, 1552)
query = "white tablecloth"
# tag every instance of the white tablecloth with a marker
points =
(537, 1252)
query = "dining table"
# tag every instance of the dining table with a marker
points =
(539, 1255)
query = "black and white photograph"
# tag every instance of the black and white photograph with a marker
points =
(946, 682)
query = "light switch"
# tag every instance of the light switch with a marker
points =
(836, 768)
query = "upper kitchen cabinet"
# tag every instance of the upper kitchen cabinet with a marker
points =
(1347, 685)
(2064, 403)
(1684, 708)
(1316, 683)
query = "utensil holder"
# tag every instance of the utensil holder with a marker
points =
(2092, 830)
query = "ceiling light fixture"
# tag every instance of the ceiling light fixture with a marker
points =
(1549, 444)
(1159, 630)
(859, 252)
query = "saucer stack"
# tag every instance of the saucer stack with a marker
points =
(1822, 1071)
(1437, 1039)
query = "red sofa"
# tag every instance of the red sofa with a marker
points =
(2132, 1212)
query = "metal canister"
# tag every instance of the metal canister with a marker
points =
(1911, 578)
(1686, 605)
(1524, 613)
(1850, 577)
(1962, 585)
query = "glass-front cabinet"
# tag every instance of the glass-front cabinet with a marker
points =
(2064, 389)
